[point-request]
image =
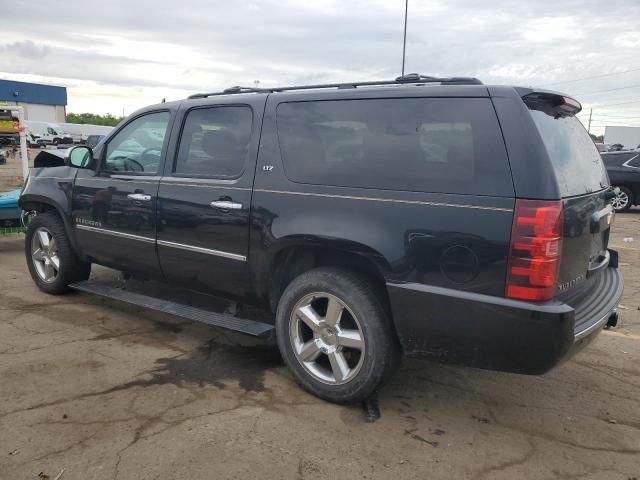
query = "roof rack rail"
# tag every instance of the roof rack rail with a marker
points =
(412, 78)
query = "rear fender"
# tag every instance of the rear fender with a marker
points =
(316, 244)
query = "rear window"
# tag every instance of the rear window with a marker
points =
(576, 160)
(446, 145)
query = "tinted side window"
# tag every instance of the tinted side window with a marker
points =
(137, 148)
(447, 145)
(614, 159)
(214, 142)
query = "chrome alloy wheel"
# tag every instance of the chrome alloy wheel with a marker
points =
(327, 338)
(44, 254)
(620, 201)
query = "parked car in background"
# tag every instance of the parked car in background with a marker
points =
(94, 140)
(45, 133)
(82, 131)
(624, 172)
(421, 216)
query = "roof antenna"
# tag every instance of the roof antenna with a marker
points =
(404, 41)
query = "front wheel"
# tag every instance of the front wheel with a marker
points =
(623, 200)
(52, 262)
(335, 335)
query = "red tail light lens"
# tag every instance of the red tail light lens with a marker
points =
(535, 251)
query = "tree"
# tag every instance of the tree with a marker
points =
(93, 119)
(598, 139)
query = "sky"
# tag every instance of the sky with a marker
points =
(118, 56)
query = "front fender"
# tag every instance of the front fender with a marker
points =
(51, 187)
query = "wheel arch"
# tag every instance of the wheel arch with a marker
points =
(41, 204)
(292, 256)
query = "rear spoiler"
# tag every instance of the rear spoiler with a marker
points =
(552, 103)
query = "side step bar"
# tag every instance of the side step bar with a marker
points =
(249, 327)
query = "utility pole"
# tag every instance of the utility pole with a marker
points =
(404, 41)
(589, 127)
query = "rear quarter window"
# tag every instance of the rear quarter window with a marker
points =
(444, 145)
(634, 161)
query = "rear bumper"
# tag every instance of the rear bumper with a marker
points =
(497, 333)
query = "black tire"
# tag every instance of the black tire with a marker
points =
(71, 268)
(629, 196)
(360, 297)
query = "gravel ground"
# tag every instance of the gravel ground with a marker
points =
(99, 390)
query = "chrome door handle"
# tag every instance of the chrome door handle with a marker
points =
(226, 205)
(139, 197)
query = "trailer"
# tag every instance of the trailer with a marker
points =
(10, 212)
(9, 134)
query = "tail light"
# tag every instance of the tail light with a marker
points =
(535, 250)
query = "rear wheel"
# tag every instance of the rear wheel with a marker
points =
(52, 262)
(335, 335)
(623, 200)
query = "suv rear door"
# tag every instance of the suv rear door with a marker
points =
(553, 158)
(583, 186)
(205, 194)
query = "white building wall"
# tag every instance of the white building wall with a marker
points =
(41, 113)
(627, 136)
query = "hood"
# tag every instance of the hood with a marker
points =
(50, 158)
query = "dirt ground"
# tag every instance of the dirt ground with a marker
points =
(11, 172)
(99, 390)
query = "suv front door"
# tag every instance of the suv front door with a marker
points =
(205, 196)
(114, 208)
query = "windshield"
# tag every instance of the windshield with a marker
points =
(575, 157)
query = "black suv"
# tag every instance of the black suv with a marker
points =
(421, 216)
(624, 171)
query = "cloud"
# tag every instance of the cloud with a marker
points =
(627, 40)
(150, 50)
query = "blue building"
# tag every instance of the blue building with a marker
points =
(43, 103)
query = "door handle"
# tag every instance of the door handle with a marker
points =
(226, 205)
(139, 197)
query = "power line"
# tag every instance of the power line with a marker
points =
(619, 117)
(615, 104)
(589, 78)
(607, 90)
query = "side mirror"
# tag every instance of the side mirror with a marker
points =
(81, 157)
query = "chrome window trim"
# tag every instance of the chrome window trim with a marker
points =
(389, 200)
(626, 164)
(165, 183)
(207, 251)
(116, 234)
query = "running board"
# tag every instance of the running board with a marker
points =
(222, 320)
